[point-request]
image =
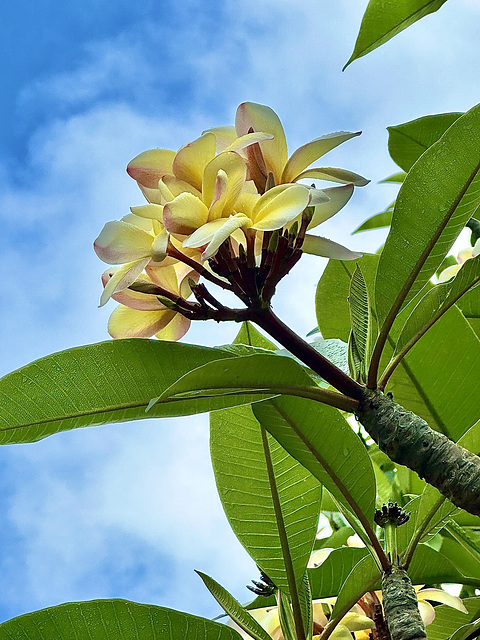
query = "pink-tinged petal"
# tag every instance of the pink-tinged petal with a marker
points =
(427, 612)
(224, 136)
(121, 242)
(131, 323)
(261, 118)
(235, 170)
(333, 175)
(151, 211)
(250, 138)
(238, 221)
(449, 272)
(149, 166)
(175, 329)
(134, 299)
(191, 160)
(160, 246)
(184, 214)
(176, 187)
(280, 205)
(308, 153)
(439, 595)
(338, 198)
(121, 279)
(465, 254)
(318, 246)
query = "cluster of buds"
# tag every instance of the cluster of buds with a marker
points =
(228, 207)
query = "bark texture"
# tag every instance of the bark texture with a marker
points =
(400, 606)
(408, 440)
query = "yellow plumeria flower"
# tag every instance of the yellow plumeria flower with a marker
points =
(353, 621)
(140, 315)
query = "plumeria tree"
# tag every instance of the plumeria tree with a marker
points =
(370, 428)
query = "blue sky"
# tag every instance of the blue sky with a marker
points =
(130, 510)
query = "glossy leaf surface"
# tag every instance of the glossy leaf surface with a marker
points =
(113, 620)
(439, 195)
(99, 384)
(245, 489)
(407, 141)
(383, 19)
(322, 440)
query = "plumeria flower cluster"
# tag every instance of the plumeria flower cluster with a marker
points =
(233, 194)
(364, 617)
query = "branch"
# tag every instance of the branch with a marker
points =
(408, 440)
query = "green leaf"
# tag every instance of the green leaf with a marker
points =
(431, 379)
(436, 302)
(378, 221)
(432, 567)
(396, 178)
(438, 197)
(113, 620)
(305, 599)
(245, 490)
(467, 632)
(336, 540)
(360, 317)
(327, 579)
(100, 384)
(264, 373)
(322, 440)
(470, 306)
(384, 19)
(364, 576)
(407, 142)
(464, 547)
(331, 300)
(250, 335)
(448, 620)
(234, 609)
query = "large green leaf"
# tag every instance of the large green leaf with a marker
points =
(320, 438)
(437, 301)
(432, 567)
(429, 381)
(383, 19)
(328, 578)
(440, 193)
(261, 372)
(99, 384)
(246, 492)
(113, 620)
(470, 306)
(364, 576)
(432, 379)
(407, 141)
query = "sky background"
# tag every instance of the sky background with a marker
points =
(130, 510)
